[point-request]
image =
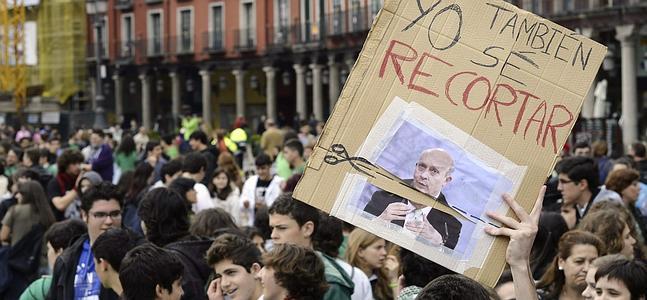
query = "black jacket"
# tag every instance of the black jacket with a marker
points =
(64, 271)
(448, 226)
(191, 253)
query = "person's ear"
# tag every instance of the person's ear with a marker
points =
(84, 216)
(307, 229)
(448, 179)
(160, 292)
(583, 184)
(255, 269)
(560, 264)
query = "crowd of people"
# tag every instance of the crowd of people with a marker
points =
(132, 214)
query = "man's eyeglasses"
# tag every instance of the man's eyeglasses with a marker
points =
(115, 214)
(565, 181)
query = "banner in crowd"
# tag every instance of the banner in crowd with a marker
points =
(449, 105)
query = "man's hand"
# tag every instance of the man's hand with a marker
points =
(521, 233)
(426, 231)
(395, 211)
(214, 292)
(392, 268)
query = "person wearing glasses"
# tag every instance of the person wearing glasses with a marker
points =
(578, 183)
(433, 172)
(74, 275)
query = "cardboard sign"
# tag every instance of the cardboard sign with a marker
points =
(450, 105)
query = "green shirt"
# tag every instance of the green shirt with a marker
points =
(126, 162)
(283, 167)
(172, 152)
(38, 289)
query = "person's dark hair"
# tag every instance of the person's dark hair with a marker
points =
(262, 222)
(290, 134)
(168, 138)
(69, 157)
(297, 210)
(580, 145)
(43, 152)
(33, 154)
(208, 221)
(632, 273)
(166, 216)
(294, 145)
(104, 191)
(251, 232)
(26, 173)
(224, 193)
(263, 160)
(194, 162)
(61, 234)
(99, 132)
(329, 235)
(170, 168)
(145, 267)
(143, 172)
(240, 250)
(200, 136)
(419, 271)
(291, 183)
(298, 270)
(553, 280)
(639, 149)
(182, 185)
(625, 160)
(151, 145)
(455, 286)
(113, 245)
(549, 230)
(34, 195)
(125, 180)
(579, 168)
(127, 145)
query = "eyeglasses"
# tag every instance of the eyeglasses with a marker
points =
(565, 181)
(115, 214)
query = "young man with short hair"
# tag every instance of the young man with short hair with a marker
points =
(582, 149)
(236, 262)
(109, 250)
(149, 272)
(168, 172)
(578, 184)
(200, 144)
(74, 273)
(638, 153)
(61, 189)
(293, 153)
(260, 190)
(294, 222)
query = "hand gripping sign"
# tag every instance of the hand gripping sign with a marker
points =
(449, 105)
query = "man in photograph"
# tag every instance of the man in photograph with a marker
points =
(433, 171)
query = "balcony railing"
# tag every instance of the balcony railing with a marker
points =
(213, 41)
(279, 38)
(154, 47)
(90, 51)
(245, 39)
(181, 45)
(126, 49)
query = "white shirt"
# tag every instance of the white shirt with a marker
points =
(203, 198)
(362, 284)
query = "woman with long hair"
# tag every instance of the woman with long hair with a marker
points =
(368, 253)
(32, 209)
(565, 278)
(126, 155)
(609, 226)
(224, 194)
(228, 164)
(140, 184)
(626, 183)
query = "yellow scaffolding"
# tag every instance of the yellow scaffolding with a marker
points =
(13, 72)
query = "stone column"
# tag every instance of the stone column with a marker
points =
(119, 99)
(625, 34)
(270, 76)
(146, 101)
(301, 91)
(240, 92)
(589, 101)
(175, 96)
(317, 91)
(93, 90)
(333, 82)
(206, 97)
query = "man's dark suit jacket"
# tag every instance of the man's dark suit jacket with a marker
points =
(448, 226)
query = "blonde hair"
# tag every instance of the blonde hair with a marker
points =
(360, 239)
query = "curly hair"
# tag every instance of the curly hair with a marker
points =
(165, 215)
(239, 249)
(553, 279)
(608, 225)
(67, 158)
(298, 270)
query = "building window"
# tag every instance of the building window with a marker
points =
(155, 33)
(247, 31)
(281, 21)
(103, 32)
(126, 47)
(185, 30)
(337, 17)
(216, 35)
(375, 7)
(356, 16)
